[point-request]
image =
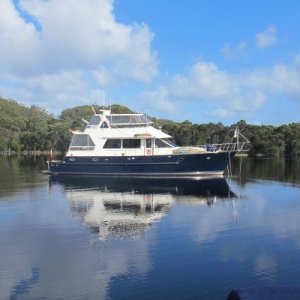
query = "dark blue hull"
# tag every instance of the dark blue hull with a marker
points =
(162, 165)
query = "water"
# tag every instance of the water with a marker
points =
(97, 238)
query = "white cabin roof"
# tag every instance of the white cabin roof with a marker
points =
(135, 132)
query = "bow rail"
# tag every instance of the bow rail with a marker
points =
(240, 144)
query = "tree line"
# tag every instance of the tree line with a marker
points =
(32, 128)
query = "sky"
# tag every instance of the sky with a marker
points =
(198, 60)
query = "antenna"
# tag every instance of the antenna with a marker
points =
(103, 99)
(93, 110)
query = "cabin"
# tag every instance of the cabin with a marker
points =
(120, 135)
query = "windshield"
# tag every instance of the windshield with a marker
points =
(164, 143)
(95, 120)
(82, 142)
(170, 142)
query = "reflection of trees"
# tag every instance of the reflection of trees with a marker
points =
(20, 172)
(285, 170)
(24, 285)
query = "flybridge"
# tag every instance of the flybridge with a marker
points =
(106, 119)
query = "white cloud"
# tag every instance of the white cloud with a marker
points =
(229, 94)
(204, 80)
(266, 38)
(58, 54)
(233, 52)
(20, 46)
(222, 113)
(52, 91)
(63, 52)
(297, 61)
(159, 99)
(278, 79)
(102, 77)
(213, 83)
(72, 37)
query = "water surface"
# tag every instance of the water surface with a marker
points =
(110, 238)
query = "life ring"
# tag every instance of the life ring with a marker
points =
(149, 152)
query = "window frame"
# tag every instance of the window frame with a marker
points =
(95, 117)
(163, 142)
(110, 141)
(137, 146)
(90, 145)
(147, 145)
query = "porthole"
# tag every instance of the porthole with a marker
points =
(72, 159)
(208, 157)
(95, 159)
(180, 159)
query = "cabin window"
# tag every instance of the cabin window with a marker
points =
(161, 144)
(131, 143)
(130, 119)
(104, 125)
(95, 120)
(82, 142)
(120, 119)
(112, 144)
(148, 143)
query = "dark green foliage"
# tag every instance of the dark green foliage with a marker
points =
(73, 116)
(32, 128)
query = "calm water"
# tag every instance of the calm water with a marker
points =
(96, 238)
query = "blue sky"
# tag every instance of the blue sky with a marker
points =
(206, 61)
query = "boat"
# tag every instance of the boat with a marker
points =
(129, 145)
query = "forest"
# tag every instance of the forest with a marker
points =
(34, 129)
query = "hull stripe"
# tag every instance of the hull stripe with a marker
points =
(123, 164)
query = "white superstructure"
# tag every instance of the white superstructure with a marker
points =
(120, 135)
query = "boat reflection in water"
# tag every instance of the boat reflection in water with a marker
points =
(127, 207)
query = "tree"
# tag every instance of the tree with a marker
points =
(33, 128)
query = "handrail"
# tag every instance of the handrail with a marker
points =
(239, 147)
(82, 148)
(128, 119)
